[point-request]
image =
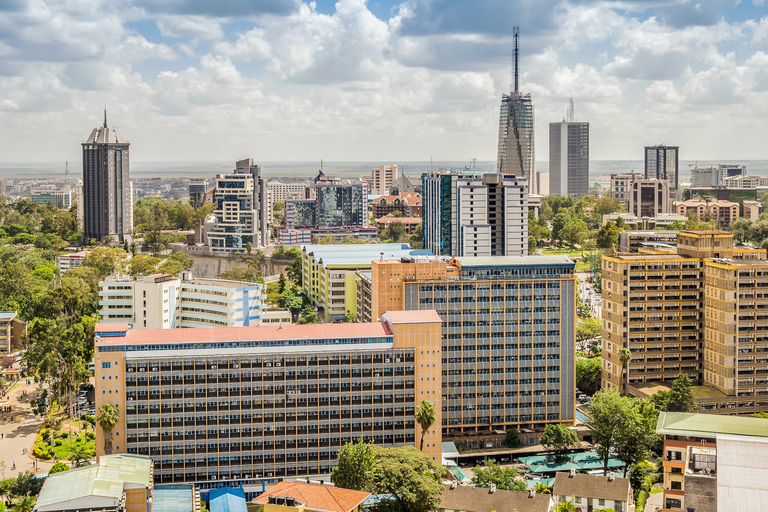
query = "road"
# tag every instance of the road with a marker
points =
(589, 296)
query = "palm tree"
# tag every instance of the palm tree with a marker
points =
(426, 415)
(25, 504)
(625, 356)
(80, 456)
(107, 419)
(565, 506)
(542, 488)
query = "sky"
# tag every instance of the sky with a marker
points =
(389, 81)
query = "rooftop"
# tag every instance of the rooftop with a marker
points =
(591, 486)
(228, 499)
(316, 496)
(481, 499)
(7, 315)
(174, 498)
(709, 425)
(508, 261)
(413, 317)
(361, 254)
(221, 283)
(213, 334)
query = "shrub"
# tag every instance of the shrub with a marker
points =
(58, 442)
(90, 436)
(58, 468)
(41, 452)
(63, 435)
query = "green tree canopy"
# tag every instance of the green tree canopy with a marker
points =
(425, 417)
(558, 438)
(356, 462)
(588, 328)
(588, 374)
(106, 261)
(681, 396)
(410, 479)
(503, 478)
(143, 265)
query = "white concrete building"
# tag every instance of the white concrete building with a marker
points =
(71, 260)
(162, 301)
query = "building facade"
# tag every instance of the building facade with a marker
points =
(648, 198)
(662, 163)
(409, 204)
(71, 260)
(720, 211)
(569, 157)
(746, 181)
(474, 214)
(241, 210)
(382, 180)
(58, 198)
(341, 203)
(252, 404)
(621, 186)
(508, 328)
(107, 190)
(197, 189)
(12, 331)
(517, 152)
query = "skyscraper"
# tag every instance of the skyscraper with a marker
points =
(107, 191)
(475, 214)
(516, 142)
(661, 162)
(569, 156)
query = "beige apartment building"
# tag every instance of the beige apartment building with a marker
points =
(382, 180)
(697, 310)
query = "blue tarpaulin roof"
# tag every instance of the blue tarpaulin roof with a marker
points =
(228, 499)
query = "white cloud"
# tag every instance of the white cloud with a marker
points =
(190, 27)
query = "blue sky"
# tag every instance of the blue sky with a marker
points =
(386, 81)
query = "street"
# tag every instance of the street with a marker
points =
(589, 296)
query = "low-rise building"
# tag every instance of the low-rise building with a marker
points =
(117, 483)
(461, 498)
(713, 463)
(593, 492)
(12, 330)
(71, 260)
(621, 185)
(721, 211)
(752, 210)
(409, 204)
(746, 181)
(409, 223)
(58, 198)
(302, 496)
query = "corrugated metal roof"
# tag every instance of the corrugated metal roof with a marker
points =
(507, 261)
(709, 425)
(228, 499)
(173, 498)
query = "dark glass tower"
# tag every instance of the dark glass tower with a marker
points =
(107, 191)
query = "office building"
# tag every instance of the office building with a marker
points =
(635, 240)
(715, 176)
(246, 405)
(279, 191)
(621, 186)
(672, 308)
(720, 211)
(517, 150)
(408, 204)
(713, 464)
(12, 331)
(328, 273)
(58, 198)
(71, 260)
(163, 301)
(80, 199)
(300, 213)
(508, 328)
(241, 210)
(304, 236)
(468, 213)
(197, 189)
(107, 190)
(569, 156)
(746, 181)
(382, 180)
(661, 163)
(341, 203)
(648, 198)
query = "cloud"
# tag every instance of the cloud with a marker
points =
(190, 27)
(219, 8)
(689, 12)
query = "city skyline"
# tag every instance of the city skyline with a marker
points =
(205, 82)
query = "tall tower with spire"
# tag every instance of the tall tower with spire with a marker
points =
(517, 153)
(107, 190)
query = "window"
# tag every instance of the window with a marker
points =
(106, 365)
(678, 486)
(601, 502)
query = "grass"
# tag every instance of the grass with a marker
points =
(656, 490)
(64, 452)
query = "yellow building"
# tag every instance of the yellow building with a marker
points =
(700, 311)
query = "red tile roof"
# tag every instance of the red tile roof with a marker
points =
(316, 497)
(413, 317)
(192, 335)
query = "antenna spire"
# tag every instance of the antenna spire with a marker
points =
(516, 32)
(105, 116)
(571, 114)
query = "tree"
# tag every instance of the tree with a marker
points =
(574, 232)
(558, 223)
(625, 356)
(106, 261)
(410, 480)
(153, 235)
(660, 400)
(760, 415)
(143, 265)
(246, 274)
(176, 263)
(681, 396)
(588, 328)
(248, 247)
(503, 478)
(425, 417)
(107, 418)
(356, 462)
(282, 282)
(58, 468)
(512, 440)
(606, 205)
(558, 438)
(565, 506)
(542, 488)
(181, 215)
(608, 235)
(307, 317)
(25, 504)
(395, 232)
(81, 456)
(588, 374)
(607, 419)
(350, 318)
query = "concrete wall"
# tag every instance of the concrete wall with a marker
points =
(700, 493)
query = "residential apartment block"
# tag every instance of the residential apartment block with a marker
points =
(469, 213)
(71, 260)
(409, 204)
(721, 211)
(247, 404)
(674, 309)
(508, 331)
(163, 301)
(382, 180)
(746, 181)
(329, 273)
(713, 464)
(12, 331)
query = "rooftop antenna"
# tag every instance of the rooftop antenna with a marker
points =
(516, 32)
(105, 116)
(571, 116)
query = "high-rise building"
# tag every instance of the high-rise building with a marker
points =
(569, 156)
(648, 198)
(80, 199)
(383, 179)
(107, 191)
(197, 189)
(241, 210)
(715, 176)
(517, 151)
(508, 327)
(341, 203)
(693, 309)
(661, 163)
(247, 404)
(468, 213)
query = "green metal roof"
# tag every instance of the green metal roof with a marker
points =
(709, 425)
(582, 461)
(100, 485)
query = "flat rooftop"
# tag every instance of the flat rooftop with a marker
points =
(709, 425)
(220, 283)
(509, 261)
